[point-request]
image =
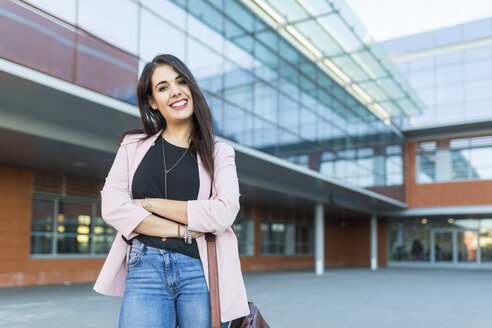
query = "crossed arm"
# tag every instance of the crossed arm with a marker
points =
(128, 216)
(174, 210)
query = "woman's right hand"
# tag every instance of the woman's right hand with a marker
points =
(196, 234)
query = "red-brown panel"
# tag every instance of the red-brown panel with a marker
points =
(33, 40)
(105, 69)
(347, 242)
(265, 263)
(395, 192)
(445, 193)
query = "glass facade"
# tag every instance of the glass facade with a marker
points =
(457, 159)
(454, 81)
(263, 92)
(451, 240)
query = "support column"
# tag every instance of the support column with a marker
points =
(374, 242)
(319, 241)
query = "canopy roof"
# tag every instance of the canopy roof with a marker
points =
(329, 33)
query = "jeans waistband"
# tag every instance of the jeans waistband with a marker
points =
(137, 244)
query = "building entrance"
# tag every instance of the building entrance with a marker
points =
(454, 245)
(441, 241)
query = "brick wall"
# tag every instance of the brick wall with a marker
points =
(443, 193)
(16, 266)
(344, 246)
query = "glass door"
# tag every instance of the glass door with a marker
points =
(443, 245)
(467, 245)
(455, 245)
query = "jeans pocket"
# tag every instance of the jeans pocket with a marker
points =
(133, 257)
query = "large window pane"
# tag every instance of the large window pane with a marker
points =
(238, 86)
(265, 104)
(478, 110)
(208, 15)
(449, 74)
(74, 222)
(206, 66)
(167, 9)
(421, 79)
(159, 37)
(237, 124)
(42, 226)
(103, 234)
(480, 162)
(238, 46)
(41, 243)
(215, 105)
(467, 246)
(477, 90)
(42, 215)
(449, 93)
(443, 244)
(308, 124)
(480, 69)
(286, 232)
(264, 135)
(426, 167)
(244, 230)
(486, 240)
(121, 32)
(409, 241)
(273, 238)
(62, 9)
(197, 28)
(289, 114)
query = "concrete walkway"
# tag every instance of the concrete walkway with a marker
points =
(400, 298)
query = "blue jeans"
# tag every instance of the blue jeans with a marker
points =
(164, 289)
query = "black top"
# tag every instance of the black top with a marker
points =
(182, 184)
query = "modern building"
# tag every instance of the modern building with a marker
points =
(334, 167)
(448, 221)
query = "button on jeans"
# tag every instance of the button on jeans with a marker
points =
(164, 289)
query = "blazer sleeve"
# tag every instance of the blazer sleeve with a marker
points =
(117, 206)
(217, 215)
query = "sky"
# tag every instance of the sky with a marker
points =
(388, 19)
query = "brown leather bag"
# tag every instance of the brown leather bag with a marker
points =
(253, 320)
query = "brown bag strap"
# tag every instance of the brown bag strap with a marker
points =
(213, 279)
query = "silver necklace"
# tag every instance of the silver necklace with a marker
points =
(166, 171)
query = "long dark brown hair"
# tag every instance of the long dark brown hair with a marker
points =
(202, 136)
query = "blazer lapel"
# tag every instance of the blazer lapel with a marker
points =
(204, 189)
(140, 151)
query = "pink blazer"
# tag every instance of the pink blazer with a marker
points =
(204, 215)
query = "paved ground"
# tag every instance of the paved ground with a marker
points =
(341, 298)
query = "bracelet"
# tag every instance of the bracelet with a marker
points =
(185, 235)
(179, 232)
(189, 237)
(146, 204)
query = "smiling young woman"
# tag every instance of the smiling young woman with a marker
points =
(158, 195)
